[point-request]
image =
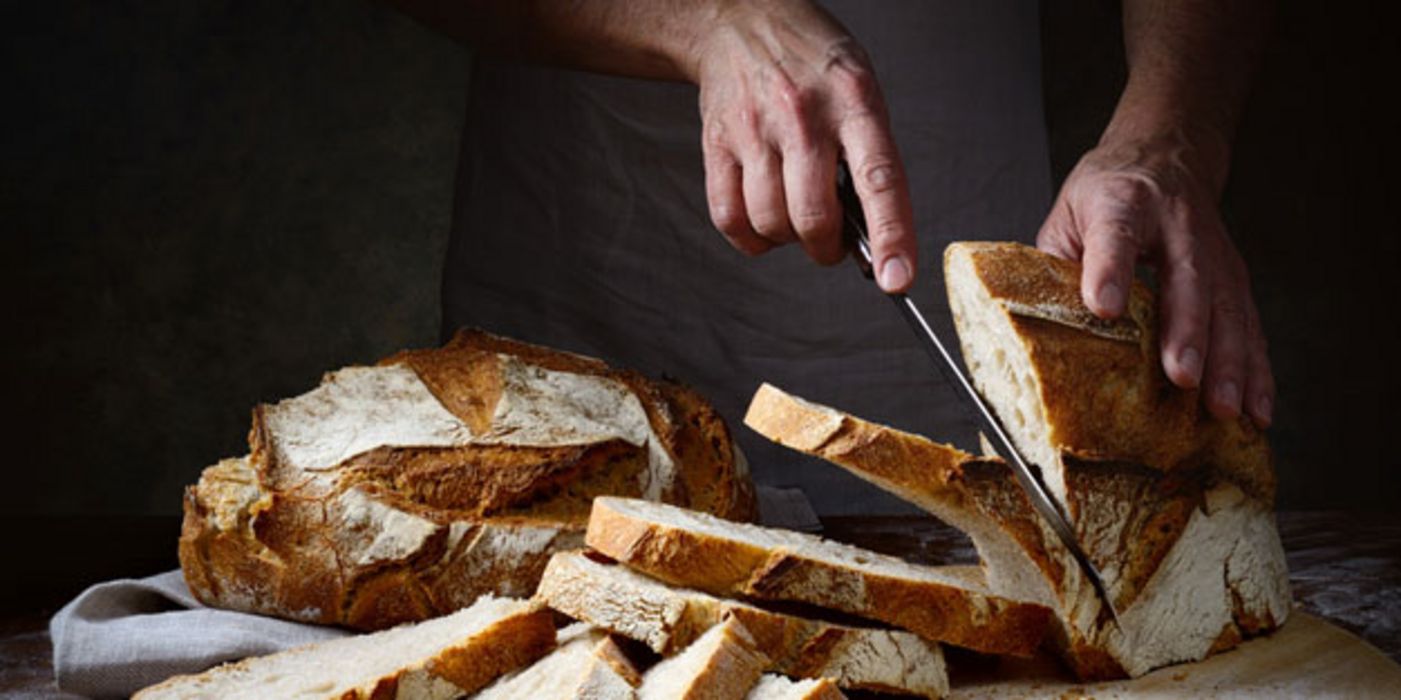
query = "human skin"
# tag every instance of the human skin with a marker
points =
(786, 93)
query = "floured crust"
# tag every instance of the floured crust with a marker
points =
(347, 558)
(771, 687)
(586, 665)
(723, 664)
(949, 604)
(481, 643)
(1100, 384)
(668, 619)
(1194, 567)
(404, 490)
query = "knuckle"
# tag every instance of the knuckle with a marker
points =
(880, 174)
(854, 82)
(813, 221)
(728, 220)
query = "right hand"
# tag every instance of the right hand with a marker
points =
(784, 92)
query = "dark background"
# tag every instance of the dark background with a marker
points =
(207, 204)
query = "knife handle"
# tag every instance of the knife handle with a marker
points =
(854, 222)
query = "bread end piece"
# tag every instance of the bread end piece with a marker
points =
(441, 658)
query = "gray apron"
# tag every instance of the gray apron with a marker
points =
(581, 223)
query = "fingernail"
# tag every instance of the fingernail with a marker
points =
(1228, 394)
(894, 274)
(1110, 297)
(1191, 362)
(1264, 409)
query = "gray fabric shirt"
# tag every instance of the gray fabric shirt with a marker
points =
(581, 223)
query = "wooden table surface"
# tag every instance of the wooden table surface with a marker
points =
(1345, 568)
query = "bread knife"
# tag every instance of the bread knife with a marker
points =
(854, 233)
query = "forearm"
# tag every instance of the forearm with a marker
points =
(654, 39)
(1190, 66)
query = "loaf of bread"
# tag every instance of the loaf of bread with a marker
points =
(667, 619)
(1172, 506)
(434, 660)
(403, 491)
(685, 548)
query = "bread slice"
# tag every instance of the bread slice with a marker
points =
(686, 548)
(1193, 567)
(667, 619)
(587, 665)
(771, 687)
(723, 664)
(437, 659)
(1068, 384)
(404, 490)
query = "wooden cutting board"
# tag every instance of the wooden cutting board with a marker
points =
(1307, 658)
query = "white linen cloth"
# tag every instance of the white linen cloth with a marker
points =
(118, 637)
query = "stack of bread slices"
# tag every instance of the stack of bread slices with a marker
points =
(611, 507)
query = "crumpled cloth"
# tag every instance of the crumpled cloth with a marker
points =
(118, 637)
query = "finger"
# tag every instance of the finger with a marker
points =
(1054, 236)
(1185, 308)
(725, 198)
(1259, 393)
(1225, 359)
(1111, 248)
(809, 180)
(1259, 383)
(879, 178)
(763, 196)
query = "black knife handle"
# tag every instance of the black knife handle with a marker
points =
(854, 222)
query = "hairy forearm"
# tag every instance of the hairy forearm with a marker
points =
(1190, 66)
(653, 39)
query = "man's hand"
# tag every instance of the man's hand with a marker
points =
(785, 92)
(1132, 201)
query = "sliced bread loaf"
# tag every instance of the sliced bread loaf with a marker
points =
(587, 665)
(434, 660)
(402, 491)
(771, 687)
(1193, 567)
(667, 619)
(686, 548)
(1067, 383)
(723, 664)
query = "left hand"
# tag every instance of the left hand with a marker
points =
(1155, 200)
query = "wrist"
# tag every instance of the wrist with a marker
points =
(1158, 122)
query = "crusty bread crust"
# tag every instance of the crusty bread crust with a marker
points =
(1101, 386)
(460, 668)
(391, 533)
(668, 619)
(1132, 520)
(722, 665)
(953, 607)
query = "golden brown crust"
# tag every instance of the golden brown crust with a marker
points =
(492, 513)
(516, 642)
(1104, 392)
(1128, 517)
(936, 611)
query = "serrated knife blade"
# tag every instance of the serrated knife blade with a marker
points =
(854, 231)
